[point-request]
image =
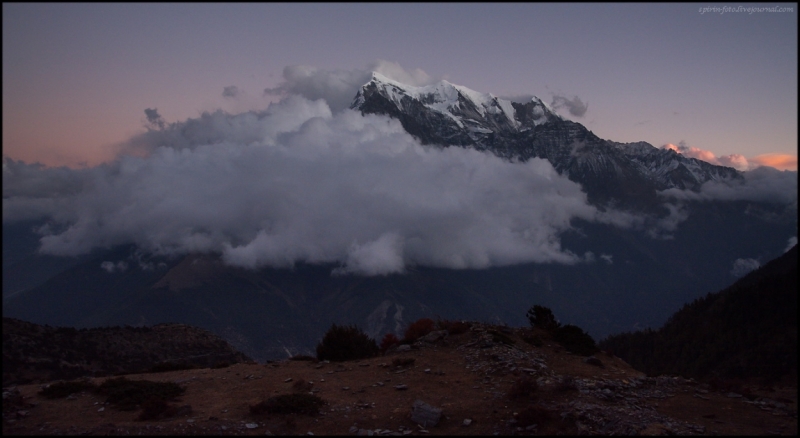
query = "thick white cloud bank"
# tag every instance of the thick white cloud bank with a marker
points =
(762, 184)
(308, 180)
(298, 183)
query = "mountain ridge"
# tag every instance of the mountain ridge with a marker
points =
(453, 115)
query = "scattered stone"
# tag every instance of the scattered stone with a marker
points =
(251, 425)
(287, 380)
(425, 415)
(401, 387)
(467, 421)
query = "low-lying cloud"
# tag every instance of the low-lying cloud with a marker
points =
(763, 184)
(298, 183)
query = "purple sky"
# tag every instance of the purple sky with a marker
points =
(77, 78)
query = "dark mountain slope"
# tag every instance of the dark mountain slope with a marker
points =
(748, 330)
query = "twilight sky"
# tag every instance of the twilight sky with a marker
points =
(77, 78)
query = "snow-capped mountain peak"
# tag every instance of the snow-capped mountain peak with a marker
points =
(479, 113)
(446, 114)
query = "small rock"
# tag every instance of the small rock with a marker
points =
(404, 347)
(425, 415)
(251, 425)
(101, 409)
(287, 380)
(401, 387)
(353, 429)
(467, 422)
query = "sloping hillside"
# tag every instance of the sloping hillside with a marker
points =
(746, 331)
(33, 352)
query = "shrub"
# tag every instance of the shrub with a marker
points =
(458, 327)
(343, 343)
(453, 327)
(127, 394)
(542, 317)
(387, 342)
(575, 340)
(418, 329)
(289, 404)
(63, 389)
(523, 387)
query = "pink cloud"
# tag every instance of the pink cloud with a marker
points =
(737, 161)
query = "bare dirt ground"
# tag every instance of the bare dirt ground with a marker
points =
(468, 376)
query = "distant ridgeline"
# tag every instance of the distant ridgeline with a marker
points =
(746, 331)
(40, 353)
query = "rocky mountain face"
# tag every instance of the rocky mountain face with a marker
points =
(37, 353)
(451, 115)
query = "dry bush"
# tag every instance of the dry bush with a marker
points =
(418, 329)
(453, 327)
(343, 343)
(388, 341)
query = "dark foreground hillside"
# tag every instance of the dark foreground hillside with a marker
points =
(36, 353)
(487, 380)
(747, 331)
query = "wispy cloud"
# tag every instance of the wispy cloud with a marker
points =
(575, 106)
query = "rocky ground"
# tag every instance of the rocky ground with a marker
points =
(475, 383)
